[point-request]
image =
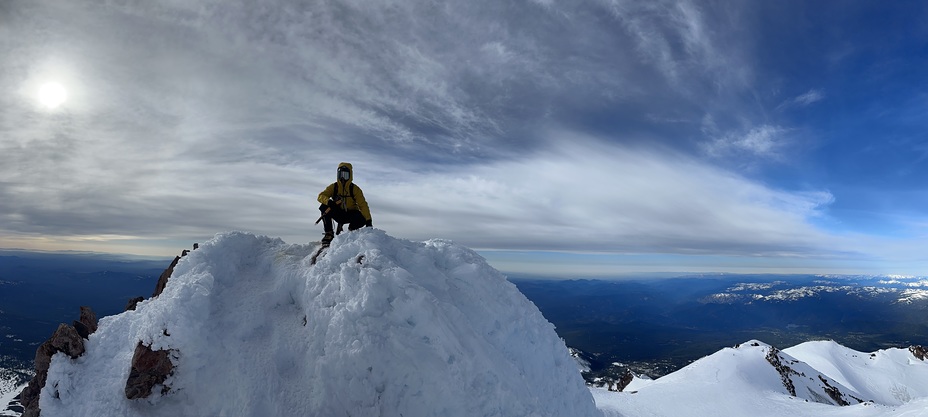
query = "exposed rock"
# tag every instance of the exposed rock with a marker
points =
(919, 351)
(834, 393)
(149, 369)
(133, 303)
(87, 323)
(785, 371)
(67, 340)
(163, 279)
(625, 380)
(82, 330)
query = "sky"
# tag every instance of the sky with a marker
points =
(557, 138)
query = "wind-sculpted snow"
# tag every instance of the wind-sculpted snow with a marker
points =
(377, 327)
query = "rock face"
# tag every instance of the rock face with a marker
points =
(87, 324)
(163, 279)
(134, 302)
(626, 379)
(919, 351)
(66, 339)
(149, 369)
(773, 357)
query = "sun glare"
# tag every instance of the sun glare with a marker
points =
(52, 95)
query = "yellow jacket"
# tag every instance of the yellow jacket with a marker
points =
(351, 194)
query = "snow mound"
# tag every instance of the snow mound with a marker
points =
(378, 327)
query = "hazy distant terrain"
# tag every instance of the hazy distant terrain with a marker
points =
(40, 290)
(660, 325)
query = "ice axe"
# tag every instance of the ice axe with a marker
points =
(323, 215)
(340, 226)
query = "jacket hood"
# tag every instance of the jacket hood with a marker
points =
(350, 171)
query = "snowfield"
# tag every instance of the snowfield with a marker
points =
(378, 327)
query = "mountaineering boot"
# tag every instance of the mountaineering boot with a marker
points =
(327, 239)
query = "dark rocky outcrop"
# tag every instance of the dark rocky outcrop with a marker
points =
(149, 369)
(87, 324)
(134, 302)
(834, 393)
(626, 379)
(66, 339)
(163, 279)
(773, 357)
(919, 351)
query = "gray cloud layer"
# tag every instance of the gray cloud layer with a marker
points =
(575, 126)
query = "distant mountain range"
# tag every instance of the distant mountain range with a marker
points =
(899, 289)
(654, 327)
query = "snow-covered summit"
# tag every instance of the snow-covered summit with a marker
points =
(377, 327)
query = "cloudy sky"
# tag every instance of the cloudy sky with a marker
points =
(563, 138)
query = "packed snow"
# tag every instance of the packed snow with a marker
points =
(378, 327)
(742, 382)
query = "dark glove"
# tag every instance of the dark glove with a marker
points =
(369, 223)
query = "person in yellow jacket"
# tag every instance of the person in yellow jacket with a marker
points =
(343, 201)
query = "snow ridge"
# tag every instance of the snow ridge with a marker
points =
(889, 377)
(378, 327)
(811, 379)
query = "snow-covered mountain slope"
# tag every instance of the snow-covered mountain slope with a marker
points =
(755, 379)
(12, 382)
(891, 377)
(9, 389)
(378, 327)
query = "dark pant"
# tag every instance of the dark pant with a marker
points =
(354, 218)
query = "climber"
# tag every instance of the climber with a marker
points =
(343, 201)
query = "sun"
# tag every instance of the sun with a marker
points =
(52, 95)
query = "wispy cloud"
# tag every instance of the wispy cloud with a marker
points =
(585, 195)
(803, 100)
(765, 142)
(810, 97)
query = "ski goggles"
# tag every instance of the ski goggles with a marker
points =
(344, 174)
